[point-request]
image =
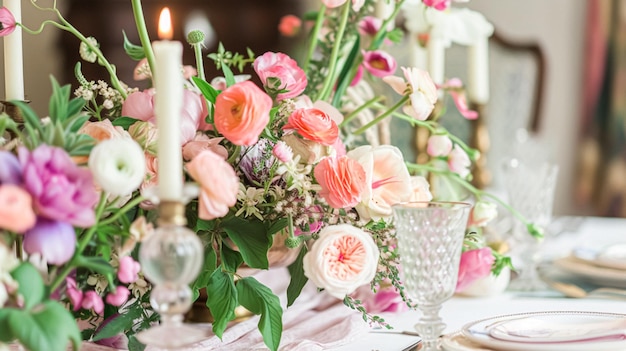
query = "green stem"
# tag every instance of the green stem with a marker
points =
(382, 116)
(376, 41)
(314, 38)
(330, 78)
(134, 202)
(143, 33)
(197, 49)
(350, 116)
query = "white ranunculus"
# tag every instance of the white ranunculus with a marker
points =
(118, 165)
(387, 180)
(341, 260)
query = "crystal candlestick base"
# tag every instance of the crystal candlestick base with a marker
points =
(171, 259)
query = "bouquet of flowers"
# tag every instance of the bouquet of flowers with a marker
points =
(294, 162)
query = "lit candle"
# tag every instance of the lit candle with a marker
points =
(168, 83)
(436, 60)
(478, 71)
(13, 60)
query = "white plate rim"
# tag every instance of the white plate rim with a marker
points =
(485, 340)
(601, 275)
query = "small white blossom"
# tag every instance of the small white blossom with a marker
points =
(250, 198)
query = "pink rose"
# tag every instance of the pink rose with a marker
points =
(459, 162)
(439, 146)
(313, 124)
(218, 181)
(128, 270)
(241, 113)
(482, 213)
(379, 63)
(342, 259)
(16, 209)
(289, 25)
(93, 301)
(277, 72)
(475, 264)
(119, 297)
(343, 180)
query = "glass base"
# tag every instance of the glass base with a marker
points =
(172, 337)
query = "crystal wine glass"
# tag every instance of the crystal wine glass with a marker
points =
(430, 239)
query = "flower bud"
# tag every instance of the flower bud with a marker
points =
(482, 213)
(195, 37)
(535, 230)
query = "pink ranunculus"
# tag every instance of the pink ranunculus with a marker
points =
(388, 180)
(7, 22)
(277, 72)
(119, 297)
(342, 179)
(421, 189)
(289, 25)
(482, 213)
(16, 210)
(74, 294)
(203, 142)
(92, 300)
(218, 182)
(54, 240)
(422, 92)
(242, 111)
(103, 130)
(459, 162)
(475, 264)
(128, 270)
(313, 124)
(439, 146)
(341, 260)
(60, 189)
(379, 63)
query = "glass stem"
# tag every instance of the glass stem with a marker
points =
(430, 327)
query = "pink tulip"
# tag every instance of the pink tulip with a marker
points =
(16, 209)
(379, 63)
(93, 301)
(128, 270)
(119, 297)
(475, 264)
(279, 72)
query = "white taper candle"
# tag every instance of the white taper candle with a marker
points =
(13, 56)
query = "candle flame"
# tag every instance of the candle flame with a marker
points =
(165, 25)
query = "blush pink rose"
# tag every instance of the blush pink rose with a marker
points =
(241, 113)
(342, 179)
(475, 264)
(16, 209)
(218, 181)
(277, 72)
(342, 259)
(313, 124)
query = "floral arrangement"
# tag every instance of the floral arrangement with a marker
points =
(293, 162)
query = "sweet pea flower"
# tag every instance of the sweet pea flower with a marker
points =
(343, 181)
(92, 300)
(10, 169)
(454, 87)
(475, 264)
(421, 90)
(459, 162)
(379, 63)
(118, 165)
(119, 297)
(421, 189)
(482, 213)
(60, 189)
(73, 293)
(128, 270)
(241, 113)
(16, 210)
(279, 72)
(440, 5)
(439, 145)
(54, 240)
(7, 22)
(341, 260)
(218, 182)
(289, 25)
(388, 181)
(313, 124)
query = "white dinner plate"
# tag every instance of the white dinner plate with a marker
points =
(612, 256)
(550, 331)
(597, 275)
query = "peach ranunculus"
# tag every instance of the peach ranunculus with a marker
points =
(421, 189)
(341, 260)
(313, 124)
(475, 264)
(280, 75)
(388, 180)
(16, 209)
(342, 180)
(203, 142)
(241, 113)
(218, 182)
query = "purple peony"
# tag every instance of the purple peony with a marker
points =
(10, 170)
(60, 189)
(54, 240)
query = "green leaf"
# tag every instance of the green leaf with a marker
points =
(231, 260)
(96, 264)
(135, 52)
(124, 122)
(228, 75)
(58, 105)
(278, 226)
(31, 285)
(75, 106)
(204, 225)
(119, 324)
(251, 239)
(31, 119)
(259, 299)
(206, 89)
(222, 300)
(6, 335)
(48, 327)
(298, 279)
(134, 344)
(75, 123)
(345, 77)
